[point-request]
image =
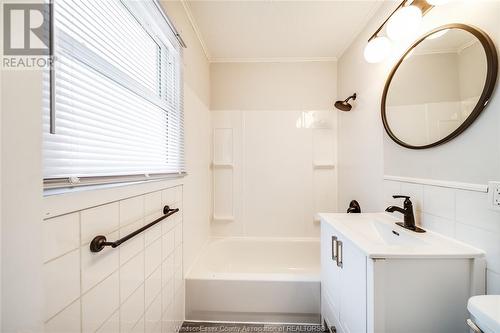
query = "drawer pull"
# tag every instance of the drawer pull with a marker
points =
(334, 248)
(473, 326)
(340, 254)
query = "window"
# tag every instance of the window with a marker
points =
(116, 90)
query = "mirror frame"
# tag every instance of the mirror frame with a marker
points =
(489, 86)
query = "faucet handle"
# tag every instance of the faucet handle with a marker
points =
(401, 197)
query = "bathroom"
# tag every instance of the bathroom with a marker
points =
(240, 165)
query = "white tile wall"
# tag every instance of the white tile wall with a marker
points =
(100, 220)
(61, 235)
(100, 303)
(283, 162)
(131, 275)
(112, 325)
(61, 282)
(132, 310)
(459, 214)
(97, 266)
(133, 288)
(67, 321)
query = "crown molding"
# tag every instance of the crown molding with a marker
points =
(467, 45)
(194, 25)
(273, 60)
(458, 50)
(436, 51)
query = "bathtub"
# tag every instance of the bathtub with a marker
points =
(255, 280)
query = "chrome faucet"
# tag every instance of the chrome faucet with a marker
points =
(407, 211)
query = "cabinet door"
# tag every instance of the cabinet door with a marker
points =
(330, 278)
(353, 288)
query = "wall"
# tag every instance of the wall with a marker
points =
(366, 153)
(274, 148)
(23, 204)
(279, 86)
(360, 134)
(21, 262)
(22, 200)
(198, 137)
(137, 287)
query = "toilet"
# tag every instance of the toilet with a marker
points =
(485, 313)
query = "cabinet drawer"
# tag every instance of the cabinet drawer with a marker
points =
(328, 314)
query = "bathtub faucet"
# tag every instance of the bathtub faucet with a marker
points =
(354, 207)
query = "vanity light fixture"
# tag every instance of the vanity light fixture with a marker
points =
(404, 22)
(377, 49)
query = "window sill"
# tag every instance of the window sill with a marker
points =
(62, 201)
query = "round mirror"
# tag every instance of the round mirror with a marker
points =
(439, 87)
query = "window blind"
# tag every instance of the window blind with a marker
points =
(117, 86)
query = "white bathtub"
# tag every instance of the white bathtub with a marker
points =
(256, 280)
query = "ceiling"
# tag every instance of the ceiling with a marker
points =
(255, 30)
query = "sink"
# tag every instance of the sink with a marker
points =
(485, 312)
(386, 234)
(381, 277)
(379, 237)
(390, 236)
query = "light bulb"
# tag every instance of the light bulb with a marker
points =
(405, 23)
(377, 49)
(437, 2)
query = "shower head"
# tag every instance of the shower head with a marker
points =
(345, 105)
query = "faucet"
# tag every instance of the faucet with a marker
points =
(354, 207)
(407, 211)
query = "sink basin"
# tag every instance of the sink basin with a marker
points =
(379, 237)
(386, 234)
(485, 311)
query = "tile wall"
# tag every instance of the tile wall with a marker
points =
(460, 214)
(137, 287)
(272, 172)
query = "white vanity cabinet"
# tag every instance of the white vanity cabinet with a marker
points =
(367, 288)
(343, 282)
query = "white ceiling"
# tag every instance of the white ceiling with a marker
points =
(256, 29)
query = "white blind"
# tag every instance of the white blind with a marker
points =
(118, 92)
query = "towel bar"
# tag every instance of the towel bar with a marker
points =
(100, 242)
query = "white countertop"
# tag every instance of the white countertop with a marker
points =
(486, 312)
(373, 234)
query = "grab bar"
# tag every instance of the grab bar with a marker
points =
(100, 242)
